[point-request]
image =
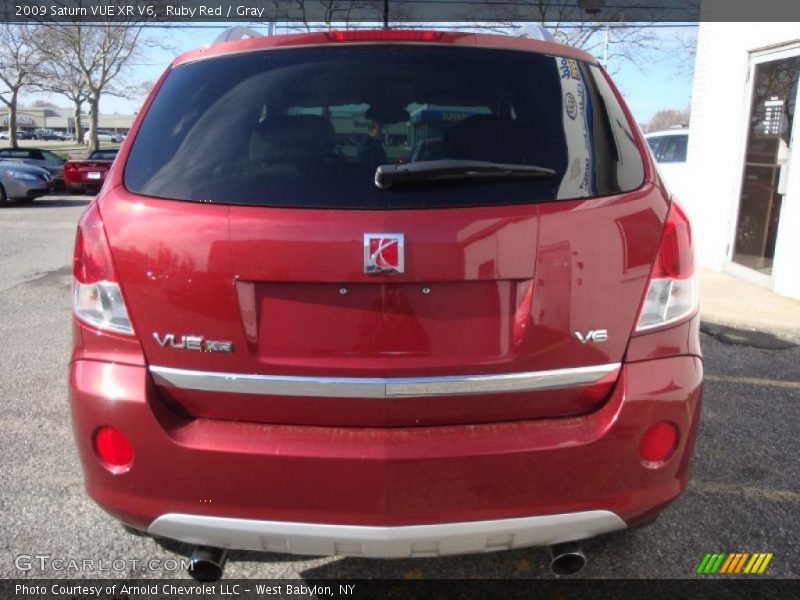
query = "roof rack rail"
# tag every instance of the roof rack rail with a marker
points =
(236, 33)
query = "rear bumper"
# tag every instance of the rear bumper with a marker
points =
(79, 181)
(409, 541)
(386, 491)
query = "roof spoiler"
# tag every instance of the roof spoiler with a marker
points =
(236, 33)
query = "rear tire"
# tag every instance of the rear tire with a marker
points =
(3, 197)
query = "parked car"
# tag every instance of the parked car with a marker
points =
(88, 175)
(47, 134)
(21, 135)
(669, 147)
(38, 157)
(23, 183)
(104, 136)
(284, 347)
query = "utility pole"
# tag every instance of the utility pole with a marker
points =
(386, 14)
(605, 49)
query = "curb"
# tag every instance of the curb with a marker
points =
(763, 340)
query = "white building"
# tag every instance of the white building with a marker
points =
(744, 152)
(60, 119)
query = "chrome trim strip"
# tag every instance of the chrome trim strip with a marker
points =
(399, 387)
(384, 542)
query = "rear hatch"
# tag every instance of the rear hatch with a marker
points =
(271, 280)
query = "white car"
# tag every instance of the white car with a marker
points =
(669, 148)
(105, 136)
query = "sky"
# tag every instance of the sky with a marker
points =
(653, 85)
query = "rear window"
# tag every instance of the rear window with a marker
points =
(669, 148)
(308, 127)
(14, 153)
(103, 155)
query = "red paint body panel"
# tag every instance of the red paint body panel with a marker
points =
(378, 476)
(509, 286)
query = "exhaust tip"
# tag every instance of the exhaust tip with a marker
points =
(566, 559)
(208, 564)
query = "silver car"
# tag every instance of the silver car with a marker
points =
(22, 182)
(36, 157)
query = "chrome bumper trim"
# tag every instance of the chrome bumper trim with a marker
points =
(384, 542)
(399, 387)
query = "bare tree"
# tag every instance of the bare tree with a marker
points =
(98, 53)
(668, 118)
(62, 77)
(19, 67)
(681, 52)
(615, 40)
(323, 14)
(614, 43)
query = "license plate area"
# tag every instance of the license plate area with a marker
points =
(453, 319)
(93, 175)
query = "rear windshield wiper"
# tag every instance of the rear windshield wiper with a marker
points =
(436, 170)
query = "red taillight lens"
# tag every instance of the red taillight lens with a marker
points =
(659, 442)
(96, 295)
(113, 449)
(388, 35)
(675, 255)
(672, 290)
(92, 256)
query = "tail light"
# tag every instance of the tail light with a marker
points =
(672, 293)
(96, 297)
(113, 449)
(659, 442)
(385, 35)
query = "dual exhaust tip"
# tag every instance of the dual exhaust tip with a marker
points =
(208, 564)
(567, 559)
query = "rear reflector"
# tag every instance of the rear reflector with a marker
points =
(672, 292)
(388, 35)
(96, 297)
(659, 442)
(113, 449)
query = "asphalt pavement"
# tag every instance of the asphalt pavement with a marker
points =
(744, 494)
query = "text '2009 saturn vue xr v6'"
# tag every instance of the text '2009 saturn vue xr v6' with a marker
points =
(385, 294)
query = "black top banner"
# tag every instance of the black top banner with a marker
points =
(399, 12)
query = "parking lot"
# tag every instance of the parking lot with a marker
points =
(744, 495)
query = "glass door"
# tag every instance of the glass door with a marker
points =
(766, 156)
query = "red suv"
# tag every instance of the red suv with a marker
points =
(291, 336)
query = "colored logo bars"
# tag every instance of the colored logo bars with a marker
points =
(734, 563)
